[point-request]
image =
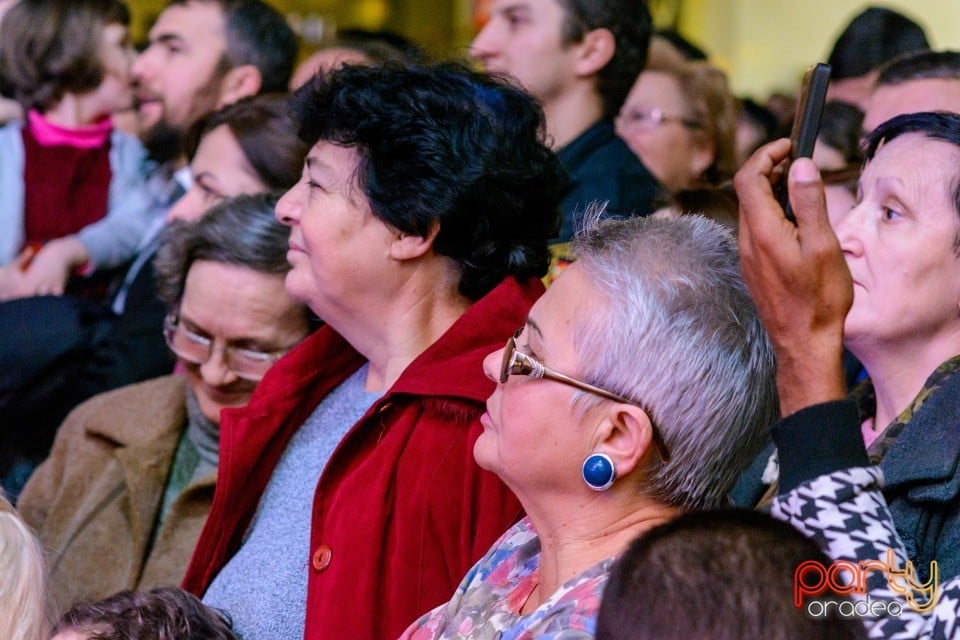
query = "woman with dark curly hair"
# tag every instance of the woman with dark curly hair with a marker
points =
(419, 233)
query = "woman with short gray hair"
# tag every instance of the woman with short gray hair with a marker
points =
(639, 387)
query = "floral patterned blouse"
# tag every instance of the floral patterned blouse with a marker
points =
(487, 604)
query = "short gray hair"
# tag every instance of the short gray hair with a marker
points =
(676, 329)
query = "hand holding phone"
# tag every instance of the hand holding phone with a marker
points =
(806, 125)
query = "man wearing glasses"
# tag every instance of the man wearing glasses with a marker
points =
(579, 59)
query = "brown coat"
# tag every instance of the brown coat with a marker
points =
(94, 502)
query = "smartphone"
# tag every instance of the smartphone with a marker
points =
(806, 124)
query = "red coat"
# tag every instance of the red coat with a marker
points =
(401, 511)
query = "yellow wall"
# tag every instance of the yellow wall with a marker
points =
(142, 15)
(766, 44)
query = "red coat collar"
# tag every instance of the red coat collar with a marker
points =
(447, 368)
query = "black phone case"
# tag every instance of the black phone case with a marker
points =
(806, 125)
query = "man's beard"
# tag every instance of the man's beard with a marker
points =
(166, 142)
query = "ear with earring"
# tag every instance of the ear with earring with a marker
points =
(598, 471)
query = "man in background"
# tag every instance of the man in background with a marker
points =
(579, 58)
(871, 39)
(203, 55)
(914, 82)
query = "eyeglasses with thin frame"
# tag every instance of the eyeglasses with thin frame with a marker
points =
(191, 347)
(517, 363)
(653, 118)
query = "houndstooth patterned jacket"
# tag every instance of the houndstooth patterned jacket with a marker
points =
(845, 512)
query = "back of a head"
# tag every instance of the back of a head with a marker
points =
(164, 613)
(382, 47)
(674, 325)
(663, 54)
(685, 47)
(359, 46)
(873, 38)
(757, 125)
(722, 575)
(920, 65)
(431, 152)
(717, 203)
(631, 25)
(23, 613)
(49, 48)
(258, 35)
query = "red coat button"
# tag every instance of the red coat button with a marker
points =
(321, 557)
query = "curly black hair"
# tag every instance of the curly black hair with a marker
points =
(449, 146)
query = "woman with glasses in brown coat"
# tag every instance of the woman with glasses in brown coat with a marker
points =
(122, 498)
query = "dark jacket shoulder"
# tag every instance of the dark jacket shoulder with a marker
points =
(602, 168)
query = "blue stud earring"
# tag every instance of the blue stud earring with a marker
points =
(598, 471)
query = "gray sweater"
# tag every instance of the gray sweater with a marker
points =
(264, 586)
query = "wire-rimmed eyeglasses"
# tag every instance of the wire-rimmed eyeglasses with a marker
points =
(194, 348)
(517, 363)
(653, 118)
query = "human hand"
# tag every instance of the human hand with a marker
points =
(49, 270)
(11, 275)
(797, 276)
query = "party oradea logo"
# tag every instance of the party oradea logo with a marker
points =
(820, 589)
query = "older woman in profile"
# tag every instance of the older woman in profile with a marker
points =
(899, 244)
(639, 387)
(884, 282)
(122, 498)
(419, 237)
